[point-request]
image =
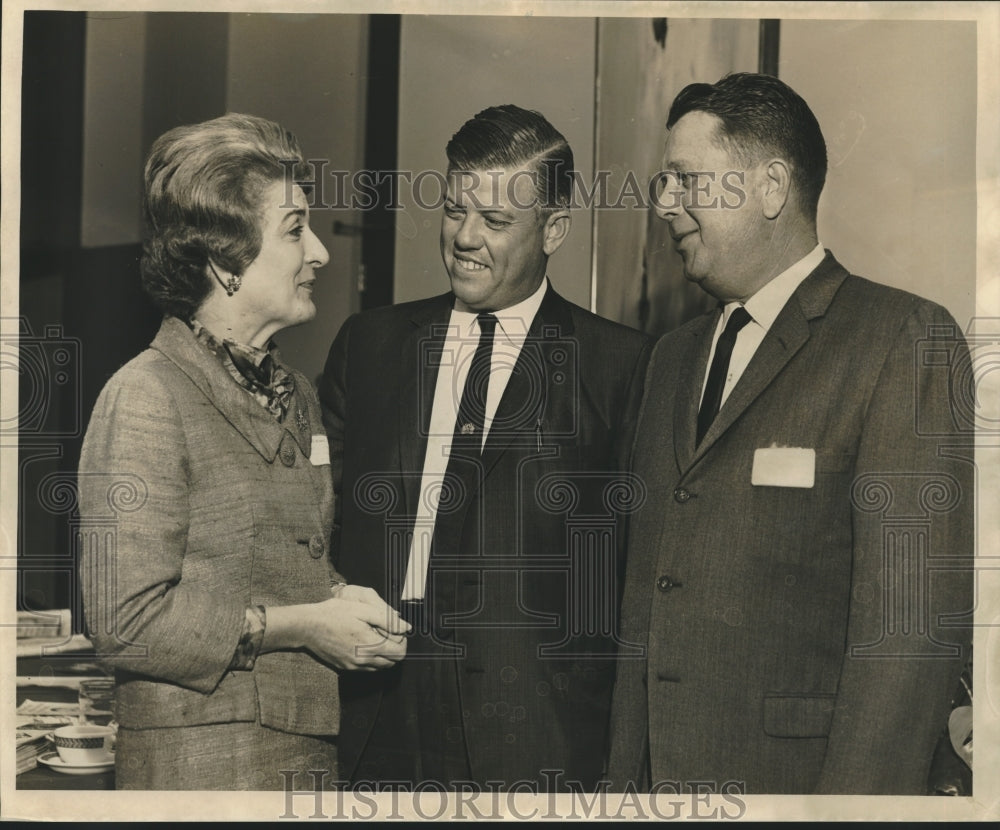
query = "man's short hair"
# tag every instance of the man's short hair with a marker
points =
(510, 137)
(761, 117)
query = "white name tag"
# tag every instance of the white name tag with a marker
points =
(319, 453)
(784, 467)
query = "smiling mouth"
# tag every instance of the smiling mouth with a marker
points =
(469, 265)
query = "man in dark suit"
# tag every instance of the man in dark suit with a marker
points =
(800, 571)
(479, 443)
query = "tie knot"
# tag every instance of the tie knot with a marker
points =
(737, 320)
(487, 323)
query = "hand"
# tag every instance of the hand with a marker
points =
(356, 636)
(346, 634)
(392, 624)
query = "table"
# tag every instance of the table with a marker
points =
(70, 664)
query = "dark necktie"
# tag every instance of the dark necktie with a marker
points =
(712, 399)
(460, 476)
(468, 438)
(466, 446)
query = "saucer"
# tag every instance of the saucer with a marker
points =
(52, 759)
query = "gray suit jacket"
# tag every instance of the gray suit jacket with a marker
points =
(198, 503)
(801, 639)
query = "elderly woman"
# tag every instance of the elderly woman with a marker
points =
(216, 602)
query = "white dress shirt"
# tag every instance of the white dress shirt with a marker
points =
(763, 308)
(456, 358)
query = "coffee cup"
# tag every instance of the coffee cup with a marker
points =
(84, 744)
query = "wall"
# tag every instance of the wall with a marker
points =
(450, 69)
(642, 65)
(897, 103)
(185, 77)
(112, 128)
(307, 73)
(147, 73)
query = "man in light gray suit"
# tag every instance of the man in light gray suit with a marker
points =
(800, 573)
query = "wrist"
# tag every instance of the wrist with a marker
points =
(251, 639)
(286, 627)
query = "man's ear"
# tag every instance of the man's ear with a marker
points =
(557, 226)
(777, 186)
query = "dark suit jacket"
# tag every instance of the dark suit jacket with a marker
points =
(536, 580)
(796, 636)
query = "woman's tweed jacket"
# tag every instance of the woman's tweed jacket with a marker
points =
(195, 503)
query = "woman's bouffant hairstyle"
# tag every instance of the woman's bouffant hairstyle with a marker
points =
(203, 188)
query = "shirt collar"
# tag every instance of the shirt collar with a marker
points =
(766, 304)
(513, 321)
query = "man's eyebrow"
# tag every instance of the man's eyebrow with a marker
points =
(490, 211)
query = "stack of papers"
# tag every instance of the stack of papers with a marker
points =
(57, 624)
(30, 745)
(45, 646)
(36, 721)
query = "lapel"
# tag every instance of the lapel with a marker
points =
(786, 336)
(176, 342)
(419, 358)
(528, 402)
(694, 365)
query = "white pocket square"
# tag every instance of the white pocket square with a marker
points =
(784, 467)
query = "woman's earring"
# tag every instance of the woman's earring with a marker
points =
(232, 285)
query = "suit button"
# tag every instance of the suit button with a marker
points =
(287, 452)
(665, 583)
(317, 547)
(681, 495)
